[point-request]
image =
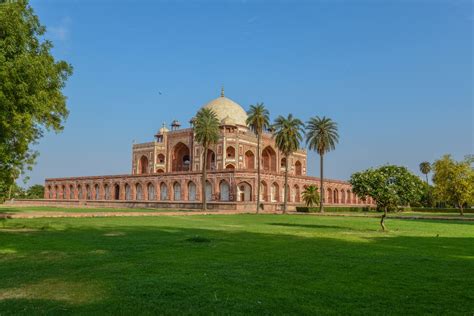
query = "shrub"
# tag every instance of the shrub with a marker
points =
(305, 209)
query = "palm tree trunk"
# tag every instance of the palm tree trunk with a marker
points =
(203, 180)
(427, 179)
(258, 172)
(321, 185)
(285, 199)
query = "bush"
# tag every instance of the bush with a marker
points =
(305, 209)
(440, 210)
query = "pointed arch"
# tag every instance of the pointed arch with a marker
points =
(80, 194)
(211, 160)
(209, 191)
(263, 191)
(138, 192)
(177, 191)
(269, 159)
(88, 192)
(71, 192)
(163, 192)
(249, 160)
(106, 192)
(96, 192)
(128, 192)
(151, 191)
(275, 192)
(329, 194)
(143, 165)
(298, 168)
(230, 151)
(296, 194)
(181, 158)
(117, 191)
(224, 190)
(244, 192)
(191, 191)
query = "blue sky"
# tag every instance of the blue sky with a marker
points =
(397, 76)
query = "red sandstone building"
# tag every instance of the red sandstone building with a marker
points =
(167, 172)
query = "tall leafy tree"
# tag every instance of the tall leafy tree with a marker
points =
(206, 133)
(311, 195)
(389, 186)
(31, 84)
(322, 137)
(454, 181)
(288, 136)
(258, 120)
(425, 168)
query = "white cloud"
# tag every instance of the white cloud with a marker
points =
(62, 31)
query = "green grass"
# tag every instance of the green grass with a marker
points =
(236, 264)
(32, 209)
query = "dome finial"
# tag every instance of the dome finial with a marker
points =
(222, 91)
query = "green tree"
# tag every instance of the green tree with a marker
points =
(454, 181)
(322, 137)
(35, 192)
(425, 168)
(389, 186)
(258, 120)
(310, 195)
(31, 84)
(206, 133)
(288, 136)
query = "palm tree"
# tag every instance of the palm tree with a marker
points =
(258, 120)
(206, 133)
(321, 136)
(425, 168)
(311, 195)
(288, 136)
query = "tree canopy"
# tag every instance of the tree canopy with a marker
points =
(288, 137)
(206, 133)
(454, 181)
(311, 195)
(31, 84)
(389, 186)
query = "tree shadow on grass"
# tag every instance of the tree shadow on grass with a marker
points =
(154, 269)
(317, 226)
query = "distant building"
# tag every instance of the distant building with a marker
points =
(167, 171)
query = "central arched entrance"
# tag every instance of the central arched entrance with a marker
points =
(181, 158)
(143, 165)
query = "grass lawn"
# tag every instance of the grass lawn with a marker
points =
(32, 209)
(236, 264)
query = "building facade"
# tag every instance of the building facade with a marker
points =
(167, 172)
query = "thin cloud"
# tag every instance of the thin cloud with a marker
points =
(62, 31)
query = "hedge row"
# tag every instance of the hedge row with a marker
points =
(440, 210)
(305, 209)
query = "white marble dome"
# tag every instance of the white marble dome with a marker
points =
(226, 109)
